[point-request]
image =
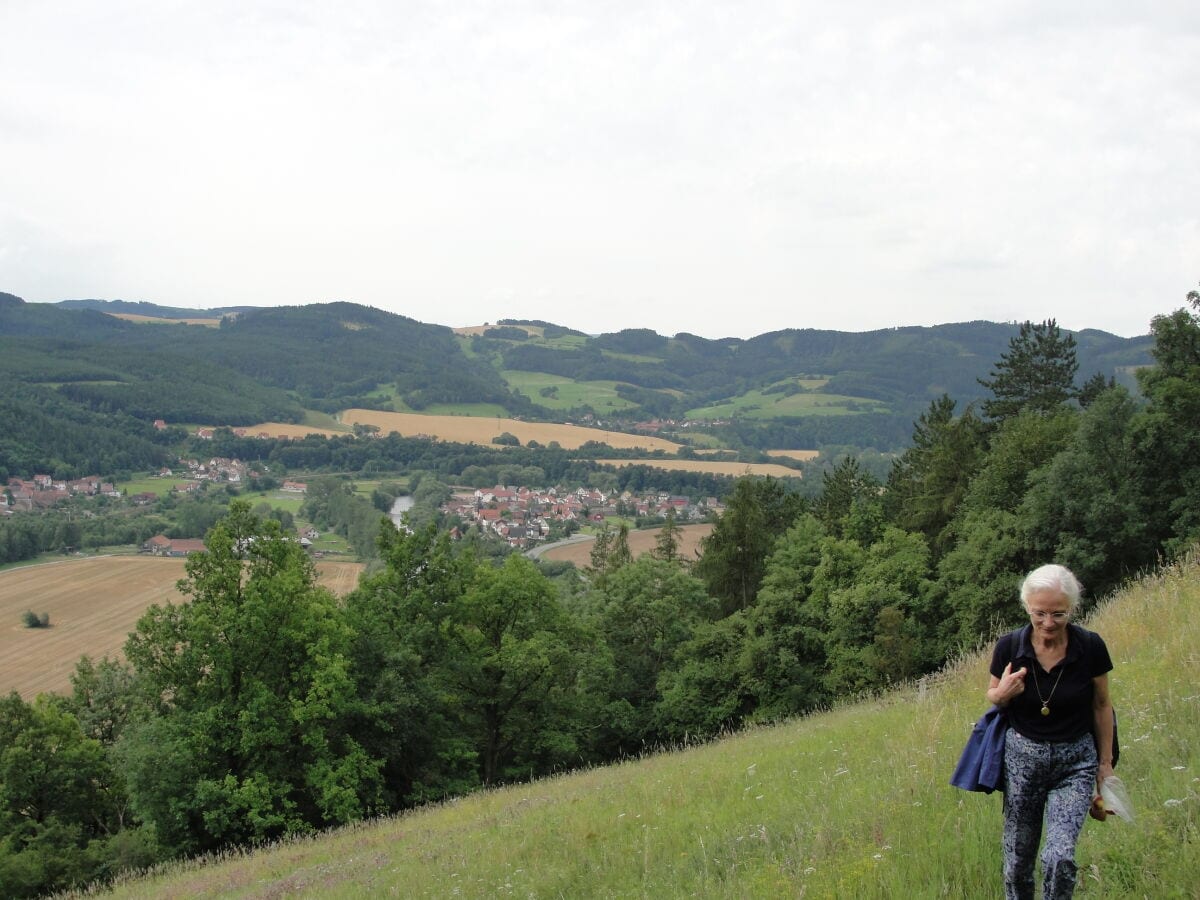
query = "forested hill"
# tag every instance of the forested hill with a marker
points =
(150, 310)
(80, 389)
(905, 365)
(331, 353)
(64, 364)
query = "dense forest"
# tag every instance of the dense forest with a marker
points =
(264, 707)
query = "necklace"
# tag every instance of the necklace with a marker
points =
(1038, 687)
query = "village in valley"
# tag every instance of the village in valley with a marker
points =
(521, 516)
(43, 492)
(524, 516)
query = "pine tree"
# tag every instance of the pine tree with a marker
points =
(666, 545)
(1037, 373)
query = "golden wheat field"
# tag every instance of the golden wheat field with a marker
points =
(802, 455)
(709, 467)
(93, 604)
(481, 430)
(640, 542)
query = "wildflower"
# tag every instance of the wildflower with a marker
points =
(1178, 768)
(1172, 802)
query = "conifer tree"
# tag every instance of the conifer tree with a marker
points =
(1037, 373)
(666, 545)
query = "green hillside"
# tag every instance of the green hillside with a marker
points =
(797, 387)
(792, 388)
(853, 802)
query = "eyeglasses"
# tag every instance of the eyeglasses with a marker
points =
(1039, 616)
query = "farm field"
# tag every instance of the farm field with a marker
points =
(640, 543)
(802, 455)
(711, 467)
(758, 405)
(600, 395)
(156, 320)
(93, 604)
(473, 430)
(472, 330)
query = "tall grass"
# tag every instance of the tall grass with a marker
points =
(853, 802)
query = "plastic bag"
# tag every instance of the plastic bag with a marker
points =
(1116, 798)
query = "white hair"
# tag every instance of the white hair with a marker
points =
(1052, 577)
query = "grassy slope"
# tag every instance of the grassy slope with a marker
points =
(600, 395)
(757, 405)
(849, 803)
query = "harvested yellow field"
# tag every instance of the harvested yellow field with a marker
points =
(286, 430)
(710, 467)
(640, 543)
(802, 455)
(134, 317)
(469, 330)
(481, 430)
(93, 604)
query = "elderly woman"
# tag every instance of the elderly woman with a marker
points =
(1052, 677)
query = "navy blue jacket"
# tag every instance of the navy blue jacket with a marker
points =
(981, 766)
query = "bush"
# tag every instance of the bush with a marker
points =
(33, 620)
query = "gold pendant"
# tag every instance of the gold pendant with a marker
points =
(1045, 710)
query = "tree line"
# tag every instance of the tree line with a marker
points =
(265, 707)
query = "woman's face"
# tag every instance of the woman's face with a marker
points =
(1049, 611)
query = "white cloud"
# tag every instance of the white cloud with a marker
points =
(682, 166)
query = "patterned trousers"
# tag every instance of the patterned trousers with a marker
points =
(1054, 780)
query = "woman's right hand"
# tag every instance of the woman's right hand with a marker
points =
(1010, 684)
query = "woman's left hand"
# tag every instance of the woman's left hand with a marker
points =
(1098, 812)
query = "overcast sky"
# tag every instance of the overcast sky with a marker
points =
(719, 168)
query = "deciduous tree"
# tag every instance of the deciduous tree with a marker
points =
(251, 688)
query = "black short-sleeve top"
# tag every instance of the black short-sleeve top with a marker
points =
(1067, 688)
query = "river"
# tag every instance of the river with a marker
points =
(399, 508)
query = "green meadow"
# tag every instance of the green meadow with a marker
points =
(631, 357)
(151, 485)
(851, 802)
(478, 410)
(760, 405)
(317, 419)
(601, 396)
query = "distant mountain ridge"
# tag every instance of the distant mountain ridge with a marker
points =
(785, 389)
(152, 310)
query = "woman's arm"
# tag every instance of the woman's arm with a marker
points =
(1103, 711)
(1103, 728)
